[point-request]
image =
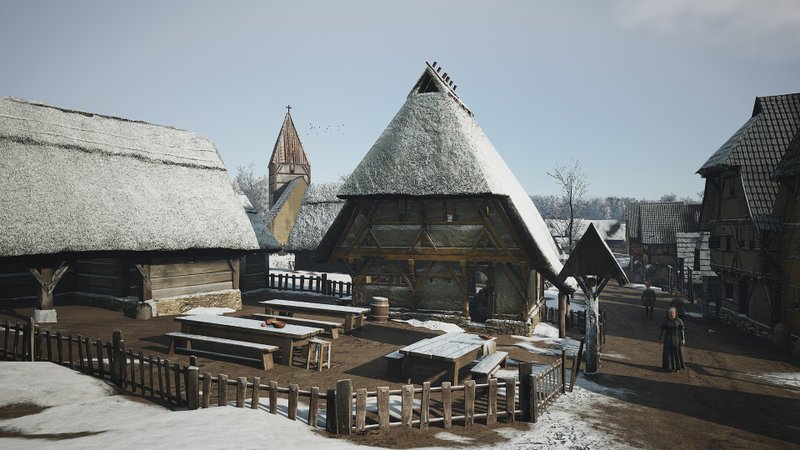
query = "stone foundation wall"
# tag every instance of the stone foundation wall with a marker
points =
(745, 324)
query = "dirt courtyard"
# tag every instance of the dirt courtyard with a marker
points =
(729, 396)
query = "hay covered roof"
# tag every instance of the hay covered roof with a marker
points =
(80, 182)
(317, 212)
(434, 147)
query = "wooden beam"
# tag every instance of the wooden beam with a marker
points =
(440, 254)
(146, 289)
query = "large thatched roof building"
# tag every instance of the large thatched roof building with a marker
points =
(113, 198)
(318, 210)
(433, 210)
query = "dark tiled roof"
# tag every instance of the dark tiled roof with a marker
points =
(790, 163)
(756, 149)
(660, 221)
(632, 219)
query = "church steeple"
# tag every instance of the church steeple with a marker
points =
(289, 159)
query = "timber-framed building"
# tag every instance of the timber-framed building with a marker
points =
(738, 209)
(433, 214)
(102, 207)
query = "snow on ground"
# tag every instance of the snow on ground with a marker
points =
(545, 341)
(285, 261)
(781, 379)
(433, 325)
(208, 311)
(89, 406)
(576, 304)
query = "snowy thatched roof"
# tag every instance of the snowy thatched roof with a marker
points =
(80, 182)
(317, 212)
(434, 147)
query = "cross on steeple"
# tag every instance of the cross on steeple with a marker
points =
(289, 108)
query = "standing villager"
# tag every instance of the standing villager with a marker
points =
(648, 300)
(673, 337)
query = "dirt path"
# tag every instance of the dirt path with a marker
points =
(722, 399)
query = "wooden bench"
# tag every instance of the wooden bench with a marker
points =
(354, 317)
(488, 366)
(186, 338)
(394, 364)
(330, 327)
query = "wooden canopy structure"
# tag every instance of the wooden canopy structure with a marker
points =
(433, 213)
(592, 264)
(114, 207)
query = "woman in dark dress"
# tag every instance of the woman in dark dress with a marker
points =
(673, 337)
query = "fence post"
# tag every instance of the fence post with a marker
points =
(383, 407)
(313, 407)
(511, 400)
(425, 405)
(344, 406)
(324, 284)
(192, 388)
(118, 343)
(525, 389)
(222, 389)
(534, 413)
(407, 405)
(241, 391)
(206, 389)
(361, 409)
(447, 405)
(576, 365)
(469, 403)
(491, 402)
(330, 411)
(31, 339)
(563, 370)
(273, 397)
(294, 393)
(256, 398)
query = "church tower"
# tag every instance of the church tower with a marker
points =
(288, 161)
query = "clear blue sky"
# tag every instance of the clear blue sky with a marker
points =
(641, 92)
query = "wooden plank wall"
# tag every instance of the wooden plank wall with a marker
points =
(17, 282)
(177, 276)
(255, 270)
(107, 276)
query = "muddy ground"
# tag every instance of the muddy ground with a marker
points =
(717, 402)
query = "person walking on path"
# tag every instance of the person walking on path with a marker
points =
(648, 300)
(673, 337)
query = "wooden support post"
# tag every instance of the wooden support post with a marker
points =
(491, 402)
(469, 403)
(383, 407)
(222, 390)
(425, 406)
(255, 399)
(241, 391)
(525, 389)
(407, 408)
(192, 388)
(361, 409)
(89, 362)
(313, 407)
(235, 273)
(344, 407)
(273, 397)
(206, 390)
(146, 288)
(447, 405)
(294, 394)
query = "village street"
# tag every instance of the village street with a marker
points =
(736, 392)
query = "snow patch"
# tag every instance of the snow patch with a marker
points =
(433, 325)
(202, 310)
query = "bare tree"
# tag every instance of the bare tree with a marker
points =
(574, 184)
(255, 187)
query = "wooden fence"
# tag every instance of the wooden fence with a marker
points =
(346, 410)
(320, 284)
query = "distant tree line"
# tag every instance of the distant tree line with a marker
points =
(594, 208)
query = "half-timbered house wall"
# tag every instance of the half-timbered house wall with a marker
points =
(424, 253)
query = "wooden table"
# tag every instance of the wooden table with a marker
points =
(452, 350)
(353, 316)
(287, 338)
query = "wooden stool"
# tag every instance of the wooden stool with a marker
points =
(317, 347)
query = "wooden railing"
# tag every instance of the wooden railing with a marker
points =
(346, 410)
(319, 284)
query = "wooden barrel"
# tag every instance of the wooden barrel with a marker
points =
(380, 309)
